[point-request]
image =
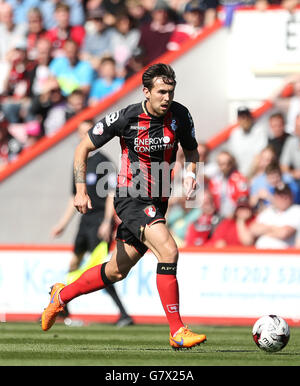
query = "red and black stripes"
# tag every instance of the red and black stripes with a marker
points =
(149, 145)
(144, 156)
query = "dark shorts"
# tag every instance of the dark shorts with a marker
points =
(135, 214)
(87, 238)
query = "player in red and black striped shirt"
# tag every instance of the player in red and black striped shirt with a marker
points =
(149, 135)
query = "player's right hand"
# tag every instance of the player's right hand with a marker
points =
(82, 202)
(57, 231)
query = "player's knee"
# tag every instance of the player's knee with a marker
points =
(117, 275)
(74, 265)
(169, 255)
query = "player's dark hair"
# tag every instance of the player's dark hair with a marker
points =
(161, 70)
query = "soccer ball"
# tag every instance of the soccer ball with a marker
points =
(271, 333)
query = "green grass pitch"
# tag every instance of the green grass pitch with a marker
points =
(25, 344)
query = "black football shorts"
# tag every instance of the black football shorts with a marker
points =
(135, 214)
(87, 238)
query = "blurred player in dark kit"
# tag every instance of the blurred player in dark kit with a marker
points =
(94, 235)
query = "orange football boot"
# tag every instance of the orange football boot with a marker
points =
(54, 307)
(185, 338)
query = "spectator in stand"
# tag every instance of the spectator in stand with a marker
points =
(209, 8)
(124, 39)
(71, 72)
(289, 105)
(49, 111)
(179, 218)
(289, 5)
(35, 31)
(277, 133)
(293, 108)
(91, 5)
(235, 231)
(211, 12)
(297, 241)
(261, 161)
(10, 147)
(64, 31)
(76, 102)
(11, 35)
(228, 185)
(277, 225)
(138, 12)
(192, 26)
(156, 34)
(112, 8)
(27, 133)
(263, 188)
(246, 140)
(21, 8)
(97, 38)
(77, 14)
(28, 128)
(49, 108)
(16, 89)
(200, 231)
(262, 5)
(290, 156)
(40, 72)
(134, 64)
(107, 81)
(33, 133)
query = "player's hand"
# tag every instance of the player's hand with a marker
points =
(82, 202)
(189, 187)
(104, 231)
(57, 230)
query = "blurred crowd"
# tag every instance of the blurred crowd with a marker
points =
(58, 57)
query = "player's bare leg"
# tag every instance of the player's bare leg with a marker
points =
(122, 260)
(160, 241)
(76, 259)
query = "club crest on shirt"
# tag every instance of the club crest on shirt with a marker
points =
(150, 211)
(174, 125)
(111, 118)
(98, 129)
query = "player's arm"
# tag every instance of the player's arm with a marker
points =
(191, 159)
(186, 134)
(104, 130)
(69, 212)
(105, 227)
(82, 201)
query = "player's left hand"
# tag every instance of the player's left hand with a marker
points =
(189, 186)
